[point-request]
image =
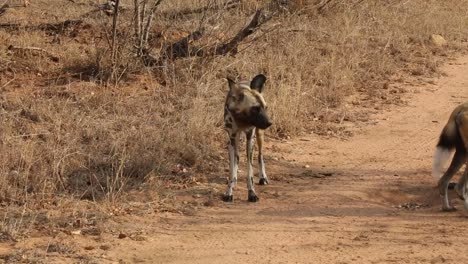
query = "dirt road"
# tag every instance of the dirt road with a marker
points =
(368, 199)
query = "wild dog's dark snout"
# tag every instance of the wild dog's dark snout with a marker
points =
(264, 124)
(256, 117)
(261, 119)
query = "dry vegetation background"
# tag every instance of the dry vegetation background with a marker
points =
(76, 126)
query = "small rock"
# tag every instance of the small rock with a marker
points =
(14, 173)
(139, 238)
(209, 203)
(76, 232)
(105, 247)
(306, 166)
(122, 236)
(89, 247)
(438, 40)
(92, 231)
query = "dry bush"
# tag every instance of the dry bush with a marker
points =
(65, 131)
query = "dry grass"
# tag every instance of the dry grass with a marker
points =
(65, 130)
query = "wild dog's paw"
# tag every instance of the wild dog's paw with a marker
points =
(452, 185)
(263, 181)
(228, 198)
(449, 209)
(253, 197)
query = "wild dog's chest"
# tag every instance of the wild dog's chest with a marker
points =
(233, 125)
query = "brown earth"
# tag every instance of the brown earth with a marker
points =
(366, 199)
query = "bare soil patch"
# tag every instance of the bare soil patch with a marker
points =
(369, 198)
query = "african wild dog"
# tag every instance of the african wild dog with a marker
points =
(245, 111)
(453, 136)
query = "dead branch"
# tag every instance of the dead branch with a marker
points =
(180, 49)
(149, 21)
(143, 19)
(114, 37)
(7, 83)
(52, 57)
(55, 27)
(323, 5)
(231, 47)
(136, 18)
(186, 12)
(107, 8)
(3, 8)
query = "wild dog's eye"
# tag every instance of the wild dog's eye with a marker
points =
(255, 109)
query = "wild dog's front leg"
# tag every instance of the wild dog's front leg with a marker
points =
(233, 151)
(250, 186)
(462, 188)
(261, 164)
(457, 161)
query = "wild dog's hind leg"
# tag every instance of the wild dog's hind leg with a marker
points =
(233, 150)
(462, 190)
(261, 164)
(250, 186)
(458, 159)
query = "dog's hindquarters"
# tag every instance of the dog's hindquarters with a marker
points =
(462, 125)
(444, 149)
(452, 138)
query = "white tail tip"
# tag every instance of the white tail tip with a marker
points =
(441, 156)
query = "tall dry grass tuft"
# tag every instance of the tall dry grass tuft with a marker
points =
(65, 130)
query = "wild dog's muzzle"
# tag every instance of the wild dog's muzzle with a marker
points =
(256, 117)
(261, 119)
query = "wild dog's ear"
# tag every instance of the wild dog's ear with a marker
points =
(232, 84)
(258, 82)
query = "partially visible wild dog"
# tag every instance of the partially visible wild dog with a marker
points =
(245, 112)
(454, 136)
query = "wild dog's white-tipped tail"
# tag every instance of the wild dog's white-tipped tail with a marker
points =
(441, 156)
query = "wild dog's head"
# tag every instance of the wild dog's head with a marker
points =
(246, 104)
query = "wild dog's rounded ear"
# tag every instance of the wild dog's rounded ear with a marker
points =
(258, 82)
(232, 84)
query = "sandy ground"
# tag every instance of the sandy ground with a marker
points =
(367, 199)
